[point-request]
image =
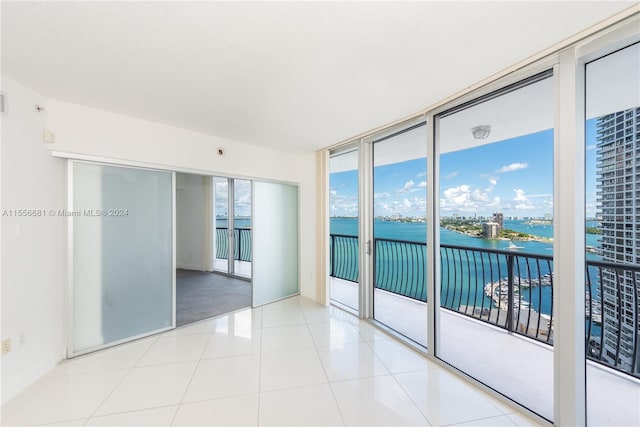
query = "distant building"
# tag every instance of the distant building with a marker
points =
(498, 218)
(618, 171)
(490, 230)
(548, 216)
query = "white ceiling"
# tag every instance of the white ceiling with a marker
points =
(296, 76)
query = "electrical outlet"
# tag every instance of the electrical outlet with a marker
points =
(6, 346)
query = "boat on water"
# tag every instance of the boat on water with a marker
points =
(512, 245)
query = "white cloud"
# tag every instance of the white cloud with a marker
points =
(520, 196)
(512, 167)
(407, 186)
(451, 175)
(590, 147)
(523, 202)
(422, 184)
(467, 199)
(493, 181)
(421, 174)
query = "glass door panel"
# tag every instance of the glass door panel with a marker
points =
(399, 231)
(344, 223)
(123, 266)
(242, 228)
(275, 242)
(496, 248)
(612, 285)
(221, 207)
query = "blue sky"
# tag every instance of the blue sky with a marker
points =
(513, 176)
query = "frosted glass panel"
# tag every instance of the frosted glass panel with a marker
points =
(275, 255)
(122, 253)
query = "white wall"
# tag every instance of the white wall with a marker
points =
(33, 249)
(190, 221)
(94, 132)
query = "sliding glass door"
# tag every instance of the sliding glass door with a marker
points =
(275, 242)
(612, 288)
(122, 223)
(399, 232)
(496, 241)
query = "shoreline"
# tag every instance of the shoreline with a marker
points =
(529, 238)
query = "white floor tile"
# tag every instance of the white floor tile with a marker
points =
(310, 405)
(149, 387)
(224, 377)
(243, 319)
(233, 343)
(376, 401)
(350, 361)
(229, 411)
(119, 357)
(524, 421)
(500, 421)
(399, 358)
(66, 398)
(371, 333)
(204, 327)
(334, 332)
(286, 338)
(25, 396)
(146, 417)
(68, 423)
(175, 349)
(288, 315)
(445, 399)
(293, 368)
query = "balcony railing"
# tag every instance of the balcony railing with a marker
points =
(242, 239)
(511, 290)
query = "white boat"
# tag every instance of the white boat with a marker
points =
(513, 246)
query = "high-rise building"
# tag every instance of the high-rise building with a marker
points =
(490, 230)
(618, 177)
(498, 218)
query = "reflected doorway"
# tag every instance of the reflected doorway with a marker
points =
(213, 220)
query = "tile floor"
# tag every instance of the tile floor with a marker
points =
(292, 362)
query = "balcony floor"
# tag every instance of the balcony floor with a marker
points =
(241, 268)
(511, 364)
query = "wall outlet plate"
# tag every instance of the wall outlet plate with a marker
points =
(6, 346)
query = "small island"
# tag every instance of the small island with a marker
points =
(474, 228)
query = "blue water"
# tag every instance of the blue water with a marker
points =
(540, 297)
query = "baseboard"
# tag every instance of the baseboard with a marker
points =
(190, 267)
(14, 386)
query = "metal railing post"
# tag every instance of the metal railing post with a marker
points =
(510, 293)
(333, 256)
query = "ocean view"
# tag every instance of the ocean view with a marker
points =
(539, 298)
(416, 232)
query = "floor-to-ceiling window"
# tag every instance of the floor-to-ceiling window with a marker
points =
(233, 234)
(496, 246)
(344, 226)
(221, 214)
(612, 197)
(507, 177)
(242, 228)
(399, 232)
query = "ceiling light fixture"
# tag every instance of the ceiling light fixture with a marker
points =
(481, 132)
